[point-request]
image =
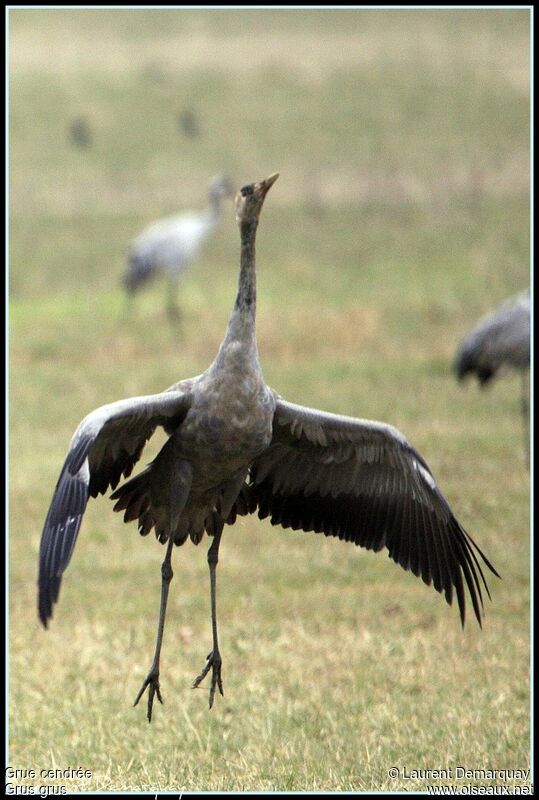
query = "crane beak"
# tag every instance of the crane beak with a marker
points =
(268, 182)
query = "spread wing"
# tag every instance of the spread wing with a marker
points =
(106, 445)
(361, 481)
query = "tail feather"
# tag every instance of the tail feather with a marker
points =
(245, 504)
(133, 498)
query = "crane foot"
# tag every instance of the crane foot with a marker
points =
(151, 680)
(214, 663)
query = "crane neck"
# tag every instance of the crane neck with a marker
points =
(240, 336)
(214, 209)
(246, 297)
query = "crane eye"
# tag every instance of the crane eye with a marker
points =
(246, 190)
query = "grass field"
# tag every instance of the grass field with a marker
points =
(401, 215)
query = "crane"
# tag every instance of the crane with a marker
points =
(80, 132)
(188, 123)
(235, 446)
(171, 244)
(500, 341)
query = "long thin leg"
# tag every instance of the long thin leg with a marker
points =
(525, 409)
(213, 661)
(173, 309)
(128, 305)
(152, 679)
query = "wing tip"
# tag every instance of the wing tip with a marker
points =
(44, 618)
(44, 611)
(48, 592)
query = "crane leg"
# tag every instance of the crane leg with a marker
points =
(525, 410)
(213, 660)
(128, 306)
(173, 309)
(152, 679)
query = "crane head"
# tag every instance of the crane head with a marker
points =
(250, 199)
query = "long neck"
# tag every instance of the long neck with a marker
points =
(246, 297)
(214, 208)
(241, 325)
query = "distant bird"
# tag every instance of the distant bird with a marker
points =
(236, 446)
(188, 123)
(170, 245)
(501, 340)
(80, 132)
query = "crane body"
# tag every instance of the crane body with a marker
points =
(499, 342)
(501, 339)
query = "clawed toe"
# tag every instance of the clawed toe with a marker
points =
(151, 680)
(214, 663)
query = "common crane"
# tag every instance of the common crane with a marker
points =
(80, 132)
(501, 340)
(188, 123)
(236, 446)
(170, 245)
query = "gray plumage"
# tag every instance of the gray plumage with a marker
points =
(500, 341)
(169, 246)
(235, 446)
(80, 132)
(188, 123)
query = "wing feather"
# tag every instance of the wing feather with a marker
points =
(106, 445)
(362, 481)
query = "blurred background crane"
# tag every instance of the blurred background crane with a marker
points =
(499, 341)
(80, 132)
(188, 123)
(168, 246)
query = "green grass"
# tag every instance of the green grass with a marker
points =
(401, 215)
